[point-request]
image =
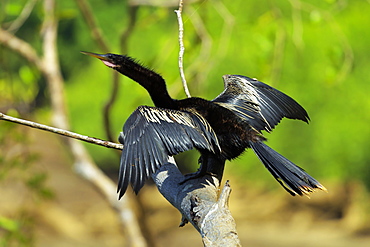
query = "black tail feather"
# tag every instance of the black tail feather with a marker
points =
(293, 178)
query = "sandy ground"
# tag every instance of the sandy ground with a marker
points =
(78, 215)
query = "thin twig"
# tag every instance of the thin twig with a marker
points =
(182, 48)
(90, 20)
(21, 19)
(61, 132)
(98, 37)
(21, 47)
(108, 106)
(107, 109)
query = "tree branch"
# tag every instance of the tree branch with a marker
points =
(51, 66)
(182, 49)
(107, 109)
(21, 47)
(97, 35)
(61, 132)
(89, 18)
(26, 11)
(198, 202)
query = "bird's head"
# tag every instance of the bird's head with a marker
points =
(111, 60)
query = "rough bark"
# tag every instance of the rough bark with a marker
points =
(200, 203)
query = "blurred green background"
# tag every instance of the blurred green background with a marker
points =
(315, 51)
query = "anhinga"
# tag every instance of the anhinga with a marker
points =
(220, 129)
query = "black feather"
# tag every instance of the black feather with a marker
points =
(151, 135)
(293, 178)
(259, 104)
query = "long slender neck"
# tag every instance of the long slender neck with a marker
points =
(150, 80)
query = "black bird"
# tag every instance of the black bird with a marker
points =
(220, 129)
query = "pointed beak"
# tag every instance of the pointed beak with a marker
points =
(105, 58)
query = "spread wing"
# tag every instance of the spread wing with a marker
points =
(258, 103)
(152, 134)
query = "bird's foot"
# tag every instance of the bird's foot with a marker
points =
(195, 175)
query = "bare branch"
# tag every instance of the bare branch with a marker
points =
(132, 18)
(108, 107)
(158, 3)
(132, 11)
(51, 66)
(198, 202)
(26, 11)
(182, 48)
(61, 132)
(21, 47)
(97, 35)
(86, 12)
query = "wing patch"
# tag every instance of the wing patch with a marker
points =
(152, 134)
(258, 103)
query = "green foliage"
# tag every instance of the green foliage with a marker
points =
(36, 183)
(17, 232)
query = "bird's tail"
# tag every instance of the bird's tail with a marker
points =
(293, 178)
